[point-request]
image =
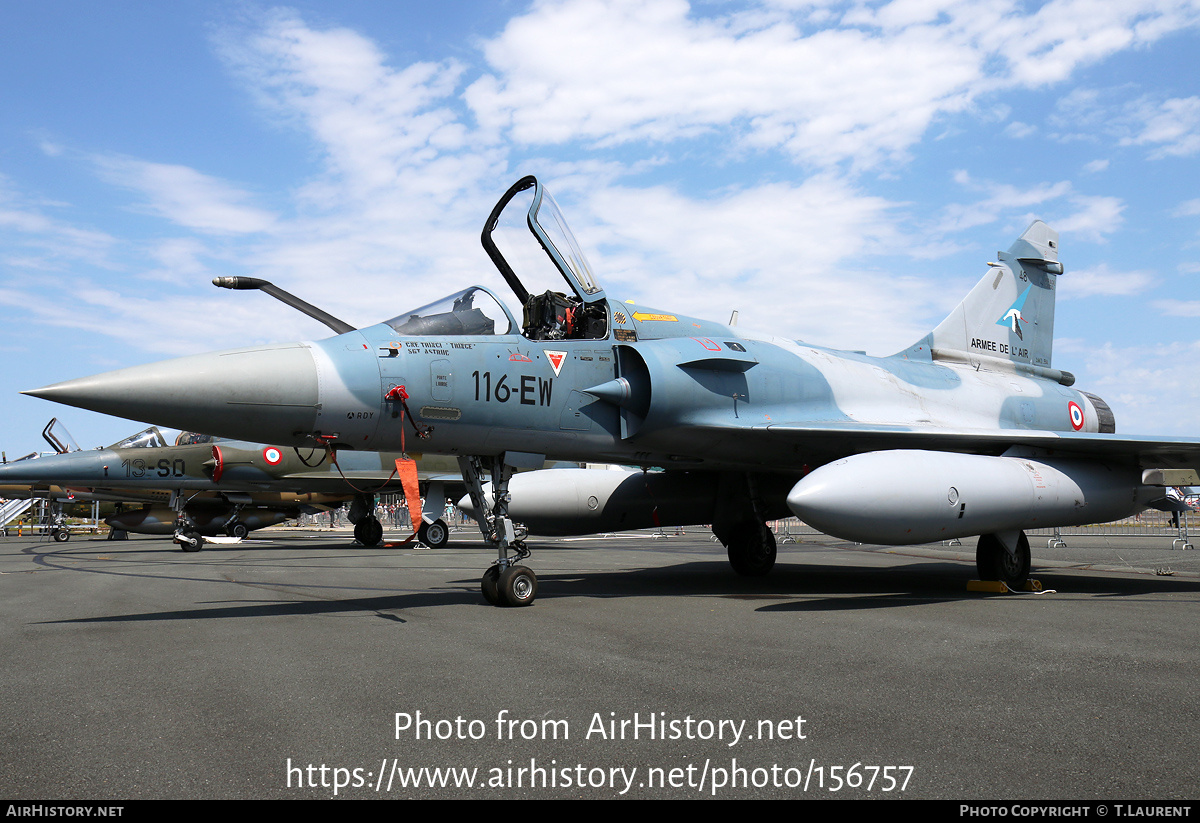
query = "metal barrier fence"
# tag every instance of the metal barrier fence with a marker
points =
(1149, 524)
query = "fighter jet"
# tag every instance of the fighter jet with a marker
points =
(969, 431)
(204, 486)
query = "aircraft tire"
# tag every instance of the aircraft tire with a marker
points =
(518, 586)
(994, 562)
(435, 535)
(751, 549)
(62, 535)
(368, 531)
(237, 529)
(196, 542)
(490, 586)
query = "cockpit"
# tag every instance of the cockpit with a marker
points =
(525, 232)
(150, 438)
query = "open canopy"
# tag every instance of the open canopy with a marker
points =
(528, 239)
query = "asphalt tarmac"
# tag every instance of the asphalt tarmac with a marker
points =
(298, 665)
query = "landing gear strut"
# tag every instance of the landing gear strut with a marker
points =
(995, 561)
(235, 527)
(505, 583)
(56, 525)
(741, 526)
(186, 534)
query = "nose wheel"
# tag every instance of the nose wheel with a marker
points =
(510, 586)
(505, 583)
(435, 535)
(190, 540)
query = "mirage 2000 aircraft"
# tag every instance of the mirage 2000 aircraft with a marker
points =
(969, 431)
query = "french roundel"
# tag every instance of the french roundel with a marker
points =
(273, 456)
(1076, 415)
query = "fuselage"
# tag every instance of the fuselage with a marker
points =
(486, 394)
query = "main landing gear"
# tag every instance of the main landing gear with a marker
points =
(751, 547)
(367, 529)
(1004, 557)
(740, 524)
(235, 527)
(505, 583)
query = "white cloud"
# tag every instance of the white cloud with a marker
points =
(186, 196)
(1179, 308)
(1002, 200)
(777, 253)
(1169, 127)
(165, 324)
(1188, 208)
(1101, 281)
(180, 261)
(1018, 130)
(862, 89)
(407, 176)
(1094, 218)
(32, 239)
(1172, 127)
(1151, 388)
(382, 129)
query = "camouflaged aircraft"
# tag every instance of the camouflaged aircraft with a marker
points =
(205, 486)
(969, 431)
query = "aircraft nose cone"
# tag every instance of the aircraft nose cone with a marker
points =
(83, 468)
(261, 393)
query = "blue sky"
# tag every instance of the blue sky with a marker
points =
(838, 172)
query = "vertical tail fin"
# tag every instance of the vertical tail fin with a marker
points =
(1009, 315)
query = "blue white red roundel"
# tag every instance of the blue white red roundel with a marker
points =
(272, 455)
(1076, 415)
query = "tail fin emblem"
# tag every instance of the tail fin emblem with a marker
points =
(1013, 317)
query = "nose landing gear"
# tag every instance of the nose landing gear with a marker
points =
(505, 583)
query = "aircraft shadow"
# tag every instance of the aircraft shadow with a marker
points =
(790, 587)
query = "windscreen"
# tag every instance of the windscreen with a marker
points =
(150, 438)
(473, 311)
